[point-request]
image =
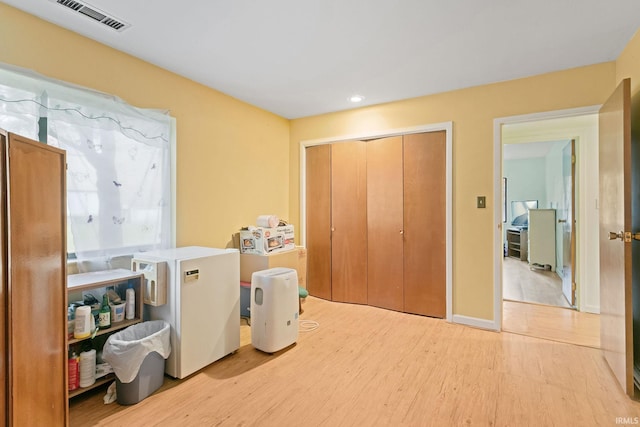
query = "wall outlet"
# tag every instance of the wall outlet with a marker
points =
(482, 202)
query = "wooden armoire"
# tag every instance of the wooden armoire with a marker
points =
(376, 222)
(33, 320)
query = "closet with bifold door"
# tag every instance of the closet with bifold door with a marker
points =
(349, 222)
(376, 222)
(318, 220)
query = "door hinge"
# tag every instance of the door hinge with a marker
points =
(573, 159)
(573, 286)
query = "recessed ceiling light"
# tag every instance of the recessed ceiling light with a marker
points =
(356, 98)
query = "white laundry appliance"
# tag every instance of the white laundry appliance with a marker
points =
(274, 308)
(202, 307)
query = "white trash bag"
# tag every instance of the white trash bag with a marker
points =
(125, 350)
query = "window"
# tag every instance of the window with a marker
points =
(118, 161)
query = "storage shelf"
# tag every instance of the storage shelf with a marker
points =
(100, 381)
(114, 327)
(517, 244)
(119, 278)
(99, 279)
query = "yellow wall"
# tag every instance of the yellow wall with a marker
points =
(472, 112)
(232, 158)
(628, 64)
(236, 161)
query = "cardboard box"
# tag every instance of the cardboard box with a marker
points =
(263, 241)
(250, 263)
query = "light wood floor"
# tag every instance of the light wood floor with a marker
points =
(367, 366)
(520, 283)
(552, 323)
(535, 306)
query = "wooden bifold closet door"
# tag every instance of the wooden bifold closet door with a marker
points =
(425, 224)
(349, 222)
(376, 222)
(318, 220)
(385, 228)
(336, 221)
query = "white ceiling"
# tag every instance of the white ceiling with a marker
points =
(298, 58)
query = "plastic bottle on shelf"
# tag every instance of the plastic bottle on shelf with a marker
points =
(74, 370)
(87, 368)
(131, 303)
(82, 322)
(104, 317)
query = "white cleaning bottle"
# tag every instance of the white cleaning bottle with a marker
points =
(130, 309)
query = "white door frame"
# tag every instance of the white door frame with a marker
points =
(448, 128)
(497, 190)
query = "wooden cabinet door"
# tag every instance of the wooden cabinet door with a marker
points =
(384, 223)
(37, 318)
(318, 220)
(425, 223)
(349, 222)
(4, 359)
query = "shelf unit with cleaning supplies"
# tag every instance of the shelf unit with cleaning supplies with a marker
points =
(120, 280)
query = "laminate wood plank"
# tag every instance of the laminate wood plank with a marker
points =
(369, 366)
(425, 223)
(554, 323)
(521, 283)
(385, 223)
(318, 220)
(349, 222)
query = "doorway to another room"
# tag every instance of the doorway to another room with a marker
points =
(542, 210)
(538, 194)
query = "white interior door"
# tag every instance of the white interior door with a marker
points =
(616, 337)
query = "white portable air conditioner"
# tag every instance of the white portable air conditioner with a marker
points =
(274, 309)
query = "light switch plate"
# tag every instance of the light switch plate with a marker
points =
(482, 202)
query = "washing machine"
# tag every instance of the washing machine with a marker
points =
(274, 309)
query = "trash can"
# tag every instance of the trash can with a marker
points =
(137, 355)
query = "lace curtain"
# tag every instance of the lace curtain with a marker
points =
(118, 162)
(19, 111)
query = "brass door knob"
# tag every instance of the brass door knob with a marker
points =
(613, 235)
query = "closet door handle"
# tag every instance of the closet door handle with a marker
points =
(333, 229)
(401, 231)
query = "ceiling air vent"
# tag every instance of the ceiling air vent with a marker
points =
(94, 14)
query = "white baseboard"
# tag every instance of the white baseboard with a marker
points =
(591, 309)
(475, 322)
